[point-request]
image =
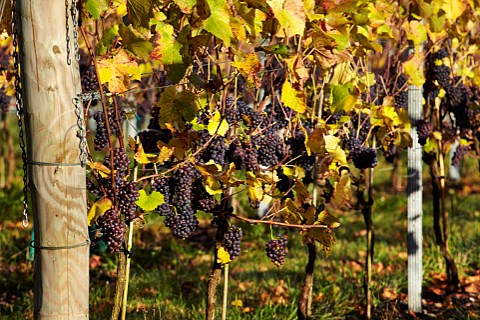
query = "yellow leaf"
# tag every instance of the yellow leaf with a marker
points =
(237, 303)
(212, 186)
(414, 69)
(217, 125)
(342, 192)
(301, 191)
(101, 169)
(223, 256)
(142, 157)
(165, 154)
(290, 15)
(255, 188)
(118, 71)
(327, 219)
(293, 98)
(453, 9)
(335, 153)
(98, 209)
(292, 213)
(437, 135)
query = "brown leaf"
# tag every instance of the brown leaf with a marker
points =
(388, 294)
(95, 261)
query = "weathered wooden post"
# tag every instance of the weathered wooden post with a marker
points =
(50, 81)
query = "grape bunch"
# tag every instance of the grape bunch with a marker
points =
(215, 150)
(244, 157)
(296, 145)
(121, 162)
(390, 151)
(232, 241)
(127, 195)
(113, 229)
(401, 98)
(276, 249)
(270, 149)
(182, 220)
(362, 156)
(459, 155)
(4, 100)
(424, 129)
(89, 80)
(162, 185)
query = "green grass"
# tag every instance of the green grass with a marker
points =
(169, 276)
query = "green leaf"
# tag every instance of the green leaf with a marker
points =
(218, 23)
(96, 7)
(149, 202)
(167, 48)
(293, 98)
(135, 42)
(342, 99)
(217, 125)
(176, 108)
(140, 12)
(186, 6)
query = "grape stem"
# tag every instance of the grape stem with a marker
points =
(276, 223)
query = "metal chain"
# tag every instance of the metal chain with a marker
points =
(20, 111)
(69, 60)
(82, 133)
(75, 29)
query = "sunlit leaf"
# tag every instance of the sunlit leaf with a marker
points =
(96, 7)
(218, 23)
(217, 125)
(98, 209)
(293, 98)
(223, 256)
(148, 202)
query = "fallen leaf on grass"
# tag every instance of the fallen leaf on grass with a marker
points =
(388, 294)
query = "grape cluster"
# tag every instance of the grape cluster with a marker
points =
(232, 241)
(459, 155)
(101, 136)
(270, 149)
(361, 124)
(362, 156)
(424, 129)
(121, 162)
(127, 195)
(113, 229)
(4, 100)
(242, 111)
(390, 151)
(243, 157)
(276, 249)
(441, 73)
(162, 185)
(277, 117)
(296, 145)
(401, 98)
(89, 80)
(215, 150)
(182, 220)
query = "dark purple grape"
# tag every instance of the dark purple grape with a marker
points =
(113, 230)
(232, 240)
(276, 249)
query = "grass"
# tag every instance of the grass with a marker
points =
(169, 276)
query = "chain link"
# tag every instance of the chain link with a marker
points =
(69, 60)
(20, 112)
(75, 30)
(81, 132)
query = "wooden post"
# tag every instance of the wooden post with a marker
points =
(414, 203)
(57, 181)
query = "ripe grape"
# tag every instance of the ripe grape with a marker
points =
(459, 155)
(232, 241)
(424, 129)
(113, 229)
(276, 249)
(89, 80)
(4, 100)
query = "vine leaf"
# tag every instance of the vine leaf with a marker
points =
(217, 125)
(213, 186)
(316, 142)
(218, 23)
(324, 217)
(118, 71)
(98, 209)
(248, 66)
(453, 9)
(223, 256)
(176, 108)
(166, 47)
(323, 236)
(103, 170)
(135, 42)
(342, 99)
(414, 70)
(96, 7)
(185, 6)
(290, 15)
(149, 202)
(293, 98)
(255, 189)
(293, 214)
(335, 152)
(140, 12)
